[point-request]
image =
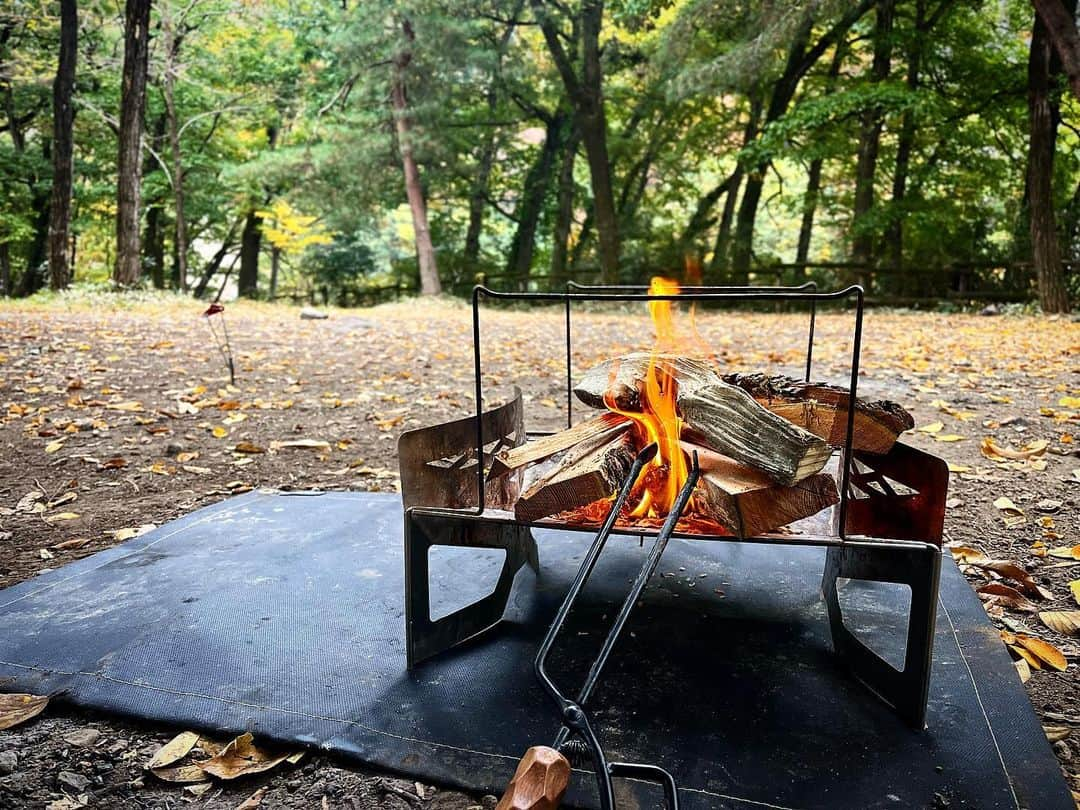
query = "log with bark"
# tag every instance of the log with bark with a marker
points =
(820, 408)
(577, 479)
(823, 410)
(747, 503)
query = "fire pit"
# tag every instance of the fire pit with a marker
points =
(631, 470)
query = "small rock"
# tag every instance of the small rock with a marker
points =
(312, 314)
(990, 309)
(9, 761)
(489, 802)
(72, 781)
(173, 448)
(83, 737)
(1048, 505)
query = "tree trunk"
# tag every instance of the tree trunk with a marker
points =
(215, 261)
(250, 242)
(862, 243)
(33, 278)
(425, 251)
(587, 99)
(63, 147)
(813, 176)
(1043, 117)
(533, 193)
(5, 269)
(720, 261)
(1059, 24)
(172, 50)
(129, 163)
(564, 214)
(275, 266)
(154, 240)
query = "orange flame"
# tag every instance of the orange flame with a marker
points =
(660, 481)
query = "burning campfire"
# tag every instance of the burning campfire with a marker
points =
(761, 441)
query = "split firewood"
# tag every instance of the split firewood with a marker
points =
(728, 420)
(589, 434)
(622, 378)
(748, 503)
(823, 410)
(578, 479)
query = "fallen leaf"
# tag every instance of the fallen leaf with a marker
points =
(239, 758)
(185, 457)
(248, 447)
(116, 463)
(1012, 571)
(959, 468)
(1069, 402)
(185, 407)
(191, 468)
(75, 542)
(1074, 586)
(966, 554)
(308, 444)
(67, 497)
(182, 774)
(52, 447)
(18, 708)
(948, 437)
(45, 554)
(1055, 733)
(219, 432)
(174, 750)
(996, 452)
(933, 427)
(131, 532)
(62, 516)
(1023, 669)
(131, 406)
(1066, 552)
(1010, 512)
(1066, 622)
(1008, 596)
(1044, 651)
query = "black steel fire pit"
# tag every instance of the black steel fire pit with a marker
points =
(887, 527)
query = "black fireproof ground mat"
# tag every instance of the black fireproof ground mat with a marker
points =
(282, 614)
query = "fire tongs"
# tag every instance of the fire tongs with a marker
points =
(543, 773)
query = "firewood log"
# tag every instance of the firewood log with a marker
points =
(622, 376)
(578, 479)
(823, 410)
(747, 502)
(728, 420)
(589, 434)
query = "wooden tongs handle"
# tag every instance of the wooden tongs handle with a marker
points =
(539, 781)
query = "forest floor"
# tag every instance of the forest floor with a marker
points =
(118, 413)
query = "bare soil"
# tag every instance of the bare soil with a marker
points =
(127, 404)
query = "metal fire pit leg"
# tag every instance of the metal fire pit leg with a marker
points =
(916, 565)
(425, 637)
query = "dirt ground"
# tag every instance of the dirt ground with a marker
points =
(118, 413)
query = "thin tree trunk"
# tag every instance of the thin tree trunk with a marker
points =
(535, 189)
(63, 149)
(33, 277)
(862, 243)
(275, 266)
(214, 264)
(587, 99)
(154, 243)
(813, 175)
(250, 243)
(720, 261)
(564, 213)
(5, 269)
(172, 50)
(425, 251)
(1043, 116)
(129, 163)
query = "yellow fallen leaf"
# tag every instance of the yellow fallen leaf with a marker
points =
(185, 457)
(1066, 552)
(1069, 402)
(1023, 669)
(52, 447)
(966, 554)
(1010, 512)
(131, 531)
(959, 468)
(191, 468)
(63, 516)
(248, 447)
(219, 432)
(933, 427)
(948, 437)
(131, 406)
(241, 757)
(1074, 586)
(174, 750)
(18, 708)
(1044, 651)
(993, 450)
(1056, 733)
